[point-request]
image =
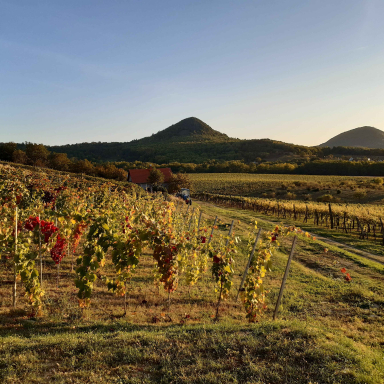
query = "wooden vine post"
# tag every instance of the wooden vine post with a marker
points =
(285, 277)
(248, 264)
(330, 215)
(230, 232)
(198, 224)
(213, 228)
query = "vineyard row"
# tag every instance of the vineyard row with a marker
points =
(103, 223)
(365, 222)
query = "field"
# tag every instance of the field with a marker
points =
(154, 329)
(292, 187)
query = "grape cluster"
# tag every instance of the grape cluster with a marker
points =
(31, 223)
(47, 228)
(165, 257)
(57, 252)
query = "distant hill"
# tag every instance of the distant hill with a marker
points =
(191, 129)
(366, 137)
(193, 141)
(188, 141)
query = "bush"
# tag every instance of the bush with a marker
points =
(290, 196)
(160, 188)
(178, 181)
(358, 195)
(378, 180)
(325, 198)
(338, 191)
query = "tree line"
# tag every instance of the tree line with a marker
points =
(315, 167)
(39, 156)
(161, 152)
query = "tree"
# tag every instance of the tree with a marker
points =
(37, 154)
(19, 157)
(59, 161)
(110, 171)
(83, 166)
(6, 151)
(178, 181)
(155, 177)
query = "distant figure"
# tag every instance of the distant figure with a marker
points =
(190, 201)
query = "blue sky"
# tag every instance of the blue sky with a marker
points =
(117, 70)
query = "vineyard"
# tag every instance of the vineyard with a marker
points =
(337, 189)
(101, 282)
(358, 225)
(48, 217)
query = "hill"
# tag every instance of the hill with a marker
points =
(189, 140)
(193, 141)
(366, 137)
(191, 129)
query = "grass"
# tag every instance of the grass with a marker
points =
(375, 247)
(328, 330)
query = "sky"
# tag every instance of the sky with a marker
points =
(116, 70)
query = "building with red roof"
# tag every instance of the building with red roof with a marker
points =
(140, 177)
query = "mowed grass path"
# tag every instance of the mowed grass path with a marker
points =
(328, 330)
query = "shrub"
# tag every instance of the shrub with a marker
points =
(325, 198)
(178, 181)
(160, 188)
(338, 191)
(358, 195)
(290, 196)
(378, 180)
